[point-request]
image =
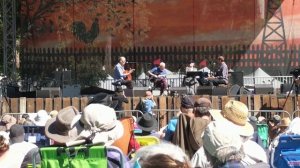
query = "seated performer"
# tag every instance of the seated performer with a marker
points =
(120, 74)
(206, 73)
(221, 76)
(189, 80)
(158, 77)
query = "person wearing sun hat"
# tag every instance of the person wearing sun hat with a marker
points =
(100, 124)
(65, 127)
(236, 113)
(148, 124)
(219, 147)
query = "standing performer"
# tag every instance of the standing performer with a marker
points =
(119, 75)
(158, 77)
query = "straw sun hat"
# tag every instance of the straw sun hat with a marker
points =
(237, 113)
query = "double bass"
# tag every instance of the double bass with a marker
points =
(129, 76)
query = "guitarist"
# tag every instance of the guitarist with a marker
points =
(158, 77)
(119, 75)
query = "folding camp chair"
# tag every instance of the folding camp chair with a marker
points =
(147, 140)
(262, 131)
(287, 152)
(80, 156)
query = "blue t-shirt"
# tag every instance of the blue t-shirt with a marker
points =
(148, 105)
(158, 71)
(171, 129)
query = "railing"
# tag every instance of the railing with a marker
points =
(276, 81)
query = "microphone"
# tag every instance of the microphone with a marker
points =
(130, 62)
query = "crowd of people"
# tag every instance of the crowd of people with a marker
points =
(197, 135)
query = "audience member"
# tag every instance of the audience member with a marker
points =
(189, 130)
(7, 121)
(7, 158)
(236, 113)
(162, 155)
(148, 103)
(148, 124)
(23, 151)
(53, 113)
(186, 107)
(41, 118)
(101, 123)
(98, 124)
(292, 129)
(273, 126)
(202, 107)
(26, 121)
(120, 97)
(67, 120)
(102, 127)
(255, 137)
(171, 127)
(220, 148)
(283, 125)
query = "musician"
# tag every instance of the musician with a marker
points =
(221, 76)
(202, 80)
(158, 77)
(191, 67)
(189, 80)
(120, 74)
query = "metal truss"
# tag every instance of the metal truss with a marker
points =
(273, 35)
(9, 39)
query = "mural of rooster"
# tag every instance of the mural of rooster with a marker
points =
(81, 33)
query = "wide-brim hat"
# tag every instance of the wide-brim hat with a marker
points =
(147, 122)
(285, 122)
(103, 98)
(100, 124)
(65, 126)
(235, 113)
(105, 138)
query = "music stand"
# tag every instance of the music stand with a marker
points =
(197, 73)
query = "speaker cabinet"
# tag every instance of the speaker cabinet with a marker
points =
(136, 91)
(234, 90)
(211, 90)
(264, 89)
(43, 94)
(53, 91)
(204, 90)
(177, 91)
(71, 91)
(236, 78)
(219, 90)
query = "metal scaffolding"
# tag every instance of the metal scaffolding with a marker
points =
(9, 39)
(273, 34)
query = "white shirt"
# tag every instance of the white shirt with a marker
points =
(254, 153)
